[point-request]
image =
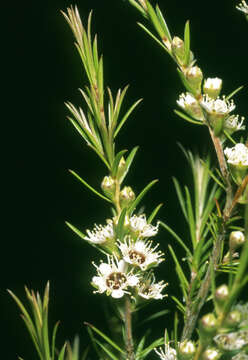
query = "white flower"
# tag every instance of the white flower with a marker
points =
(232, 123)
(237, 155)
(113, 278)
(243, 7)
(212, 84)
(152, 290)
(100, 234)
(217, 106)
(139, 225)
(240, 356)
(167, 354)
(189, 104)
(232, 341)
(140, 253)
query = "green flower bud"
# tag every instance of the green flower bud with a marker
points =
(236, 239)
(221, 293)
(211, 354)
(194, 76)
(177, 47)
(186, 350)
(208, 325)
(108, 186)
(126, 196)
(212, 87)
(233, 319)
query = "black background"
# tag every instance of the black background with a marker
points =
(40, 71)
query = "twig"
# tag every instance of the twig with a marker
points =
(128, 330)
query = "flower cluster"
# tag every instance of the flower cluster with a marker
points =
(128, 269)
(243, 7)
(237, 155)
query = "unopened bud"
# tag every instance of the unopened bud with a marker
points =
(186, 349)
(177, 46)
(194, 76)
(208, 324)
(212, 87)
(108, 186)
(126, 196)
(236, 239)
(233, 318)
(211, 354)
(221, 293)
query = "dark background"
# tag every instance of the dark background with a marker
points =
(40, 71)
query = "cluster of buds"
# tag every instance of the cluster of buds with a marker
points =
(131, 259)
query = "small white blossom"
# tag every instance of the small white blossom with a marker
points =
(237, 155)
(113, 278)
(243, 7)
(140, 253)
(233, 124)
(217, 106)
(167, 354)
(152, 290)
(232, 341)
(139, 225)
(240, 356)
(100, 234)
(212, 84)
(186, 100)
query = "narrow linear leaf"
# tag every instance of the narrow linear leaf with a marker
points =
(180, 197)
(119, 229)
(179, 240)
(54, 339)
(125, 117)
(105, 337)
(107, 351)
(129, 161)
(62, 353)
(154, 37)
(141, 195)
(191, 220)
(88, 186)
(153, 345)
(180, 273)
(154, 213)
(187, 118)
(179, 304)
(139, 8)
(187, 43)
(234, 92)
(154, 316)
(163, 23)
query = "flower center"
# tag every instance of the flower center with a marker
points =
(116, 280)
(136, 257)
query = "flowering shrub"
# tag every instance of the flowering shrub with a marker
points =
(216, 212)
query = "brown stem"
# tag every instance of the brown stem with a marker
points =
(128, 330)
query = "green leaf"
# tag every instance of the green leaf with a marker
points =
(54, 339)
(180, 306)
(100, 80)
(105, 337)
(119, 228)
(89, 187)
(163, 23)
(234, 92)
(155, 20)
(140, 196)
(138, 7)
(180, 197)
(191, 220)
(153, 37)
(154, 316)
(125, 117)
(116, 162)
(178, 239)
(183, 281)
(62, 353)
(186, 44)
(129, 161)
(153, 345)
(187, 118)
(107, 351)
(154, 213)
(185, 82)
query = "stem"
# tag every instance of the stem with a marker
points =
(128, 330)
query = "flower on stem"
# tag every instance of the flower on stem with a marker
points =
(140, 253)
(243, 7)
(139, 225)
(217, 110)
(233, 124)
(190, 105)
(194, 76)
(212, 87)
(211, 354)
(167, 354)
(101, 234)
(113, 279)
(149, 289)
(232, 341)
(237, 155)
(236, 239)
